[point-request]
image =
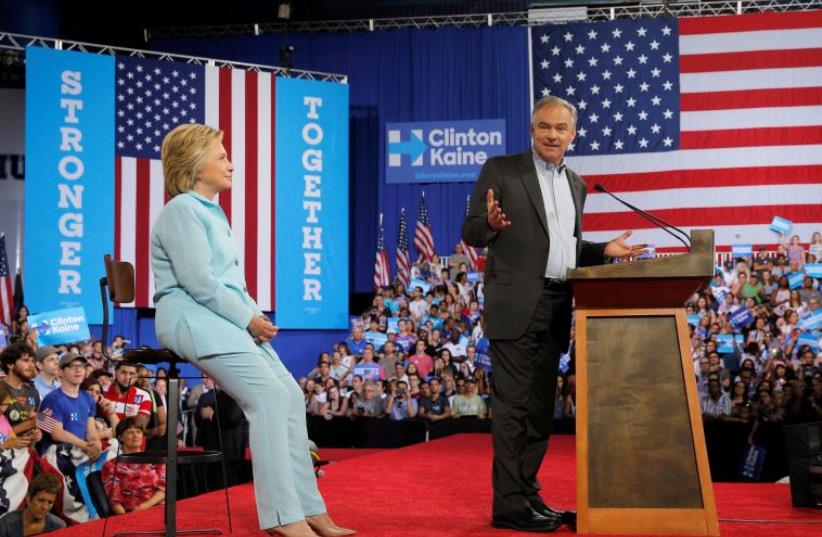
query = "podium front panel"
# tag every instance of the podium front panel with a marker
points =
(640, 443)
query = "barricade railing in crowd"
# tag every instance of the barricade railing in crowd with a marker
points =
(721, 257)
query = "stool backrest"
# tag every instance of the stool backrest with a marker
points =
(120, 276)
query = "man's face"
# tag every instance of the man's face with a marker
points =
(24, 367)
(356, 383)
(40, 504)
(143, 380)
(389, 348)
(369, 392)
(460, 386)
(357, 332)
(714, 388)
(74, 373)
(469, 388)
(435, 386)
(368, 354)
(51, 365)
(552, 131)
(126, 376)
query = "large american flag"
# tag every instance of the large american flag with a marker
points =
(155, 96)
(403, 257)
(712, 122)
(470, 251)
(382, 270)
(423, 238)
(6, 294)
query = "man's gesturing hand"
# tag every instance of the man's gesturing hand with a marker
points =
(619, 248)
(496, 218)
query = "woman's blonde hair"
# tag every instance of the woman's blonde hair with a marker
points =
(184, 151)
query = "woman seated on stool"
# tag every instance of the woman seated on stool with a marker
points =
(131, 486)
(206, 315)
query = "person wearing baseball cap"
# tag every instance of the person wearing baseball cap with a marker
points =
(47, 362)
(72, 409)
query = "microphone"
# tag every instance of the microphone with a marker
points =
(665, 226)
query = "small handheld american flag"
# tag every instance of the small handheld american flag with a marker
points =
(45, 422)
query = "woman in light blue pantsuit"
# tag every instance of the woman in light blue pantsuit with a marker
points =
(205, 314)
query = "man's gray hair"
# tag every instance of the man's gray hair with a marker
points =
(551, 100)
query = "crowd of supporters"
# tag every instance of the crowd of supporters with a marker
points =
(418, 354)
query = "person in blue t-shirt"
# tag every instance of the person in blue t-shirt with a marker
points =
(73, 409)
(356, 342)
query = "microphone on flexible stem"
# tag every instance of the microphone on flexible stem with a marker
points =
(665, 226)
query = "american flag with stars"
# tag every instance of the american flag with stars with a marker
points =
(708, 122)
(623, 79)
(403, 257)
(382, 270)
(152, 98)
(6, 294)
(423, 238)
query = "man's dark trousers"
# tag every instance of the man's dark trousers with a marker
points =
(525, 380)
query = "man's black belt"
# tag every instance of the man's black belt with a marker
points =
(553, 283)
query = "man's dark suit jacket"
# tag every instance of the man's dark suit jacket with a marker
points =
(517, 255)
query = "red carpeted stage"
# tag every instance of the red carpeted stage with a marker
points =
(444, 488)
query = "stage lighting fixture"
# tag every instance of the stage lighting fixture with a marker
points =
(284, 11)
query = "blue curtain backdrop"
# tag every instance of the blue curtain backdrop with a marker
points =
(394, 75)
(401, 75)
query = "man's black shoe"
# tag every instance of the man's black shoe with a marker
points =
(526, 519)
(566, 517)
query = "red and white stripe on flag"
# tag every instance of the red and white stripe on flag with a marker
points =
(471, 253)
(751, 138)
(424, 240)
(403, 267)
(7, 309)
(241, 103)
(382, 277)
(6, 300)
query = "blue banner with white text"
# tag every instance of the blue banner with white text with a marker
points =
(62, 326)
(69, 187)
(441, 151)
(311, 204)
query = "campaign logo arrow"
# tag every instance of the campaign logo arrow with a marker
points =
(414, 147)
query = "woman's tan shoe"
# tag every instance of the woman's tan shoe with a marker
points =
(295, 529)
(325, 527)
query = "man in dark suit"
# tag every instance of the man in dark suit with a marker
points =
(527, 209)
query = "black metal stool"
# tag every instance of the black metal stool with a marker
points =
(120, 283)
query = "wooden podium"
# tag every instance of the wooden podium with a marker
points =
(641, 460)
